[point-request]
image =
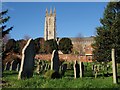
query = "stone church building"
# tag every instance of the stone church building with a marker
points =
(82, 45)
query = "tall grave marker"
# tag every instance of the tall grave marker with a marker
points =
(27, 63)
(114, 67)
(55, 61)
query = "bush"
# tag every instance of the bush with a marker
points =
(51, 74)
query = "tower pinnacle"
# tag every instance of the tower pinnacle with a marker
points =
(46, 11)
(54, 11)
(50, 11)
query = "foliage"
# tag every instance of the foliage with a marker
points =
(51, 74)
(50, 45)
(65, 45)
(15, 46)
(20, 45)
(3, 20)
(39, 45)
(108, 34)
(3, 30)
(10, 45)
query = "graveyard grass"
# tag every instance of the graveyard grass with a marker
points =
(38, 81)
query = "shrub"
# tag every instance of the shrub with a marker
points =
(51, 74)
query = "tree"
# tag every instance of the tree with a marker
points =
(78, 47)
(26, 37)
(3, 20)
(65, 45)
(6, 38)
(39, 45)
(50, 45)
(20, 45)
(10, 46)
(3, 31)
(108, 34)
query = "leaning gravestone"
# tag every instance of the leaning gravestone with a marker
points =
(55, 61)
(27, 63)
(76, 70)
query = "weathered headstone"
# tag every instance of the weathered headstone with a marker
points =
(14, 65)
(76, 70)
(18, 67)
(107, 68)
(41, 68)
(38, 67)
(95, 71)
(27, 63)
(46, 67)
(11, 65)
(114, 67)
(63, 69)
(55, 61)
(8, 64)
(3, 67)
(81, 69)
(98, 68)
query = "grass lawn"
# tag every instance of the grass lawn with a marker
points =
(38, 81)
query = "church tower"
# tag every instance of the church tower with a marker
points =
(50, 25)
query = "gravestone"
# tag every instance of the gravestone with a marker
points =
(14, 65)
(27, 63)
(81, 69)
(107, 68)
(55, 61)
(11, 65)
(45, 67)
(3, 67)
(96, 70)
(114, 67)
(76, 69)
(8, 64)
(18, 67)
(41, 68)
(38, 67)
(92, 67)
(48, 67)
(63, 69)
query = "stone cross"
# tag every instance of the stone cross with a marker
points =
(55, 61)
(27, 62)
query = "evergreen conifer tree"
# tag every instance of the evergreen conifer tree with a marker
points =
(3, 20)
(108, 35)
